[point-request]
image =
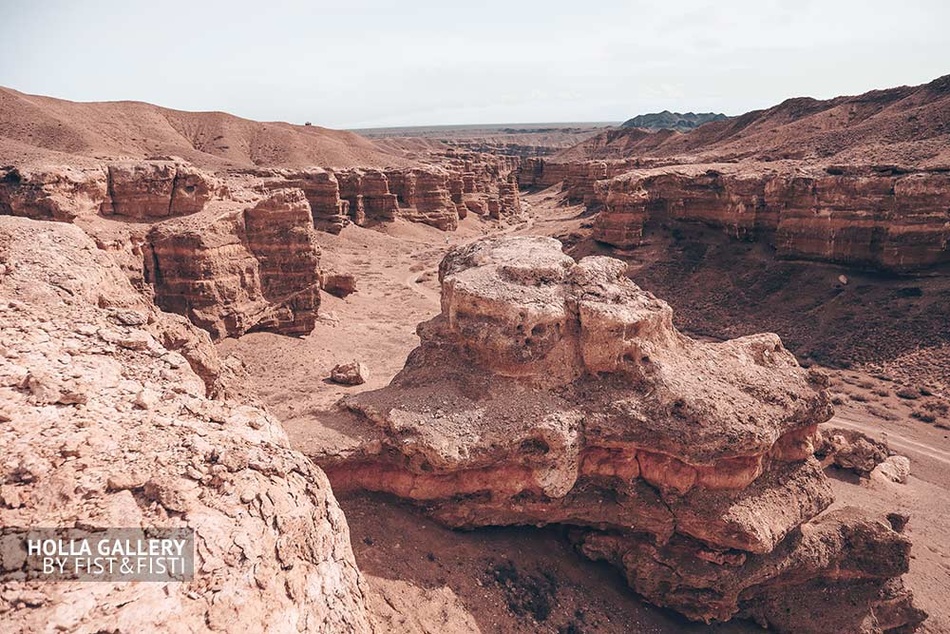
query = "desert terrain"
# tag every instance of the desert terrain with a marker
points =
(565, 410)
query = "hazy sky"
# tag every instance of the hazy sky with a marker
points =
(364, 63)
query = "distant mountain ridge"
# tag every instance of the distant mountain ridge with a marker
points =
(905, 126)
(667, 120)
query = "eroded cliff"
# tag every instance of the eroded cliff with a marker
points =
(880, 219)
(553, 391)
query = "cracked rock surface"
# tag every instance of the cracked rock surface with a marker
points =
(93, 376)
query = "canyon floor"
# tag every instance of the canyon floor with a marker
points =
(526, 579)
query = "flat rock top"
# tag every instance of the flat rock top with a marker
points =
(611, 371)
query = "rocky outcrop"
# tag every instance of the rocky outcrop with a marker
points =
(140, 190)
(509, 200)
(580, 183)
(539, 173)
(424, 197)
(867, 218)
(239, 271)
(156, 189)
(367, 192)
(581, 180)
(553, 391)
(52, 193)
(322, 190)
(103, 426)
(838, 573)
(851, 449)
(666, 120)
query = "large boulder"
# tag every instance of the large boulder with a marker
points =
(554, 391)
(145, 190)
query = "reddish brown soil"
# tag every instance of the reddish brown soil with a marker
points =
(34, 128)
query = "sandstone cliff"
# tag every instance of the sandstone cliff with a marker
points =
(239, 271)
(105, 424)
(549, 391)
(860, 217)
(139, 190)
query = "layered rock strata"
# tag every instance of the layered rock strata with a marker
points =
(553, 391)
(156, 189)
(138, 190)
(52, 193)
(369, 196)
(103, 426)
(329, 212)
(424, 197)
(867, 218)
(231, 273)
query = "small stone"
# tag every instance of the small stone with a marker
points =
(146, 399)
(898, 521)
(135, 341)
(125, 481)
(355, 373)
(894, 469)
(10, 496)
(45, 389)
(69, 449)
(130, 318)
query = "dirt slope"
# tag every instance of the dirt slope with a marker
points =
(34, 128)
(904, 125)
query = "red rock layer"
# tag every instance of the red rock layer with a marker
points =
(239, 271)
(369, 196)
(895, 222)
(156, 189)
(553, 391)
(329, 212)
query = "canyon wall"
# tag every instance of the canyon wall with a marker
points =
(873, 217)
(236, 252)
(239, 271)
(550, 391)
(138, 190)
(892, 221)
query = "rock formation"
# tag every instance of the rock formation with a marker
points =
(896, 222)
(105, 425)
(553, 391)
(368, 195)
(156, 189)
(239, 271)
(666, 120)
(541, 173)
(322, 190)
(52, 193)
(140, 190)
(424, 197)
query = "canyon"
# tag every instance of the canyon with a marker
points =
(539, 424)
